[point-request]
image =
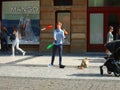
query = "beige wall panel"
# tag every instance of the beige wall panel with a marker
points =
(81, 29)
(79, 22)
(78, 29)
(46, 3)
(79, 15)
(47, 15)
(47, 9)
(78, 35)
(79, 42)
(78, 46)
(79, 2)
(79, 8)
(77, 49)
(47, 22)
(46, 35)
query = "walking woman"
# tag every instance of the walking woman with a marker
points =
(109, 39)
(16, 42)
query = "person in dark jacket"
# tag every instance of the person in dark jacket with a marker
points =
(118, 34)
(4, 39)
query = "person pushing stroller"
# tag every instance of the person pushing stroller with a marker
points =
(113, 61)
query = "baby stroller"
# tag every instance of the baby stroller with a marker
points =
(113, 62)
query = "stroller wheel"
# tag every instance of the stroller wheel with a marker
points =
(116, 74)
(109, 72)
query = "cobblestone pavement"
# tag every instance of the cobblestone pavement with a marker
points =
(53, 78)
(32, 73)
(18, 83)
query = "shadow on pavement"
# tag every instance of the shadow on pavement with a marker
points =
(20, 60)
(92, 75)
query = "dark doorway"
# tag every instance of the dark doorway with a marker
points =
(113, 20)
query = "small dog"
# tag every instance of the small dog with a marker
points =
(84, 63)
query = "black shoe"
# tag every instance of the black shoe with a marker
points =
(61, 66)
(101, 70)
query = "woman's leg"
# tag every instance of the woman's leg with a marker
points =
(17, 47)
(13, 48)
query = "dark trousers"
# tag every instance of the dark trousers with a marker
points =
(4, 44)
(55, 47)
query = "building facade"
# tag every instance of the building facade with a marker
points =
(86, 21)
(76, 15)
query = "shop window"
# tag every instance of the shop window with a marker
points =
(25, 15)
(100, 3)
(63, 2)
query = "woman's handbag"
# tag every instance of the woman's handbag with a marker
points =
(12, 37)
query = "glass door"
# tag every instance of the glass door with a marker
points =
(64, 17)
